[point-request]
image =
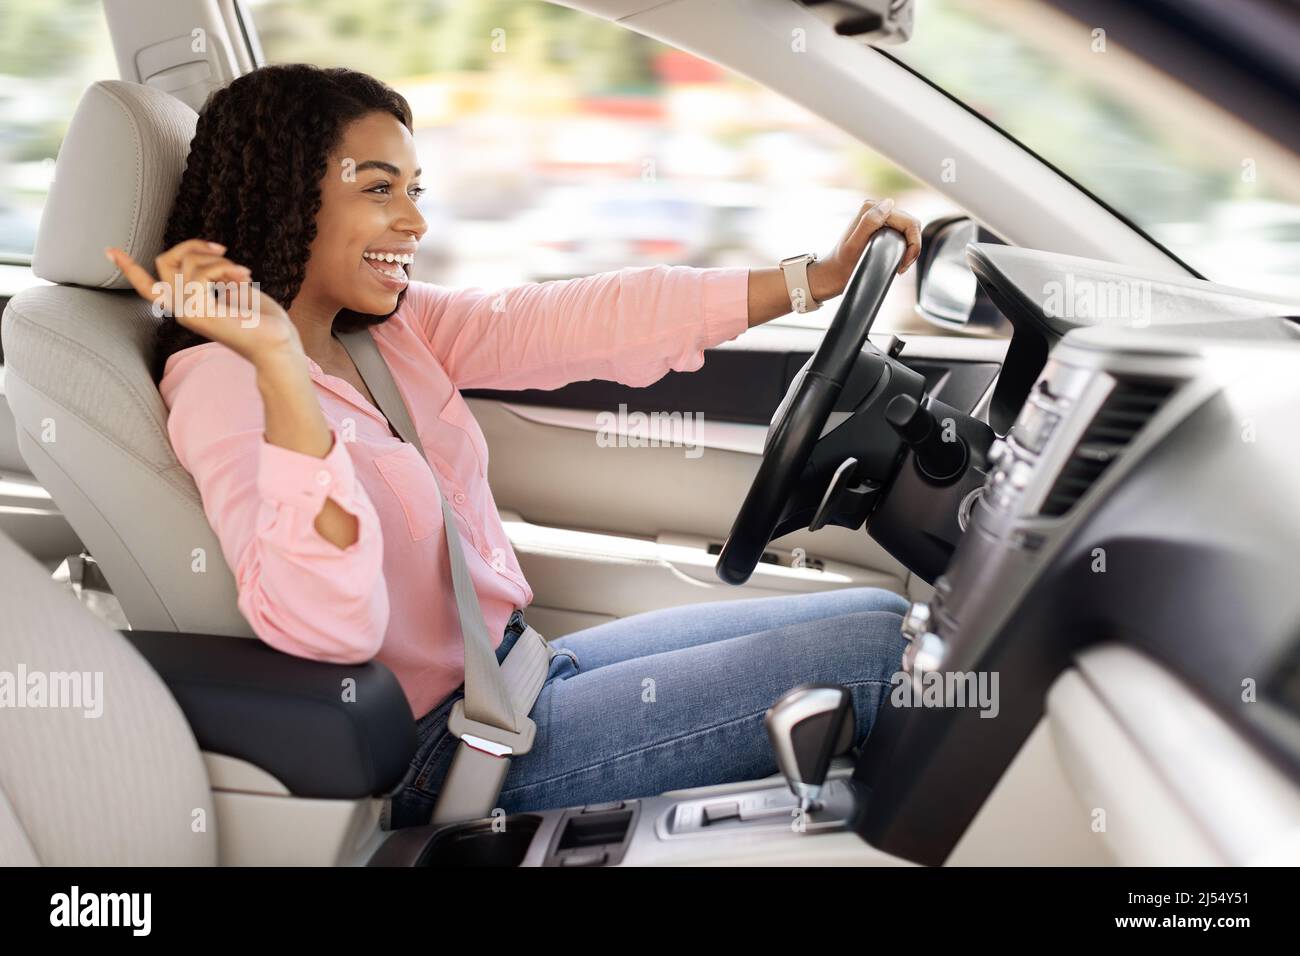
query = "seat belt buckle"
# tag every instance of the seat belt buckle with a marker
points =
(551, 649)
(494, 741)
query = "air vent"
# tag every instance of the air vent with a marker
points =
(1122, 415)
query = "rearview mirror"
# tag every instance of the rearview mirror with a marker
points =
(947, 294)
(878, 22)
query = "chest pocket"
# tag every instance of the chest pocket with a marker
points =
(411, 481)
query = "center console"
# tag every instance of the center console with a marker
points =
(808, 726)
(725, 823)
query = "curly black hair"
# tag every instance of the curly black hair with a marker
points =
(252, 180)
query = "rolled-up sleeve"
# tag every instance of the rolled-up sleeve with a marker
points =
(631, 326)
(300, 593)
(303, 481)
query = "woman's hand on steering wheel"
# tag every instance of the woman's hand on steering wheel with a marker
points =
(801, 417)
(828, 277)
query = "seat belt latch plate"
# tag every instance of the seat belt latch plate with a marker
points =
(489, 739)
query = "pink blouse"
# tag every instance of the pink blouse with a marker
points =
(389, 594)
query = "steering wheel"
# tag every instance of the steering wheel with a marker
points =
(807, 405)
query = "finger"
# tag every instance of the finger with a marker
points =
(911, 230)
(203, 268)
(175, 277)
(192, 262)
(902, 221)
(136, 274)
(220, 281)
(872, 220)
(857, 217)
(879, 213)
(222, 270)
(169, 261)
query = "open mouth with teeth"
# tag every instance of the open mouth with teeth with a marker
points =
(389, 267)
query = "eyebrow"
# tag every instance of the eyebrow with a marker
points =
(386, 167)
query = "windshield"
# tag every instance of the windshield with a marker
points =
(1219, 195)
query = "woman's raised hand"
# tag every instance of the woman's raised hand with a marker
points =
(210, 295)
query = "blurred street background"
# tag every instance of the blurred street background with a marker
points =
(555, 144)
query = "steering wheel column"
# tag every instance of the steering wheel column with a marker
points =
(857, 439)
(772, 506)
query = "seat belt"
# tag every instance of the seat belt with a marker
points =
(492, 719)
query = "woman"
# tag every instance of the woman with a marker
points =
(301, 185)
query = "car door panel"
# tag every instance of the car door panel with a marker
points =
(605, 526)
(743, 381)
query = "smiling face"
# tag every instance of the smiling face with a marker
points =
(368, 225)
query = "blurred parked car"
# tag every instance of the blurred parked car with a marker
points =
(434, 258)
(579, 231)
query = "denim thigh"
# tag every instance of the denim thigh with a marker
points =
(693, 716)
(687, 712)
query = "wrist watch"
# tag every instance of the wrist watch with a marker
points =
(795, 270)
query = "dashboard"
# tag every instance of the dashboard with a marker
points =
(1143, 491)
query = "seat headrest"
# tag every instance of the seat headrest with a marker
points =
(114, 183)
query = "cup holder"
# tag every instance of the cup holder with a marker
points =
(477, 843)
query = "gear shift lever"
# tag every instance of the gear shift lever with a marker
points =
(808, 726)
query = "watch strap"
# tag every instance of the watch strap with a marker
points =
(795, 270)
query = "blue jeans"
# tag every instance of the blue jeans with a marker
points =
(674, 698)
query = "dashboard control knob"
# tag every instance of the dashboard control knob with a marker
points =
(996, 451)
(916, 621)
(1020, 474)
(939, 458)
(923, 654)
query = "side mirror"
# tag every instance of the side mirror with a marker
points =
(947, 294)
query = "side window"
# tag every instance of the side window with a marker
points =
(556, 144)
(49, 53)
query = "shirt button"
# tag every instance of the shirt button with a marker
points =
(459, 498)
(322, 477)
